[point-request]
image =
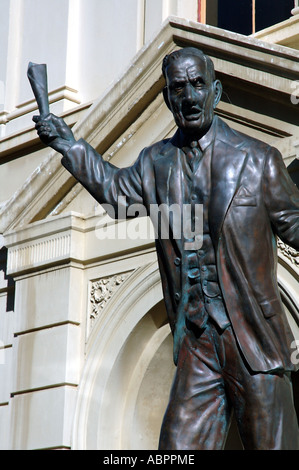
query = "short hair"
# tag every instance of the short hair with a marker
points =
(189, 52)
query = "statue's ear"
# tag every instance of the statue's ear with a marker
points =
(217, 92)
(165, 95)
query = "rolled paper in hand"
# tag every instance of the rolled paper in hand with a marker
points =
(37, 75)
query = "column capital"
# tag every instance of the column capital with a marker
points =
(45, 243)
(295, 10)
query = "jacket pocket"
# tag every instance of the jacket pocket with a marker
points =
(245, 201)
(211, 289)
(270, 307)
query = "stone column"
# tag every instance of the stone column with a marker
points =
(295, 10)
(45, 261)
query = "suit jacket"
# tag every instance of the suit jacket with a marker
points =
(252, 201)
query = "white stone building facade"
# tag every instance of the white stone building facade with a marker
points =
(85, 348)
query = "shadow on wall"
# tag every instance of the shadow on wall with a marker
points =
(295, 382)
(293, 170)
(9, 283)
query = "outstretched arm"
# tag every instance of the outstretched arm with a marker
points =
(116, 187)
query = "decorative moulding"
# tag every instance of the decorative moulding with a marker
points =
(101, 291)
(63, 239)
(46, 243)
(61, 93)
(289, 253)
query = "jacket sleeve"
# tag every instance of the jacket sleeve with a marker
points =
(281, 198)
(115, 188)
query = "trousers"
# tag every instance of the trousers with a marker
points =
(212, 381)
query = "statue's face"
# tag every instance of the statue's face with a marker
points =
(191, 94)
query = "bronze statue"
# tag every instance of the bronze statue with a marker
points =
(232, 341)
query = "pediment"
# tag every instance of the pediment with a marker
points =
(257, 81)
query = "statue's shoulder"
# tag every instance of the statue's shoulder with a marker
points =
(241, 140)
(155, 150)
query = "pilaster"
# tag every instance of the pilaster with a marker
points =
(44, 260)
(295, 10)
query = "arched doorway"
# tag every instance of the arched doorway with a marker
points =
(128, 371)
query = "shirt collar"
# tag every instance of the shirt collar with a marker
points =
(204, 142)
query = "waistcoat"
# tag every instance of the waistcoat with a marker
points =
(202, 296)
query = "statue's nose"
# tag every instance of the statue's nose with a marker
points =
(189, 94)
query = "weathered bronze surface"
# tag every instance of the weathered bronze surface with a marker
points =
(232, 341)
(37, 76)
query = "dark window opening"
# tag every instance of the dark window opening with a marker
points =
(235, 16)
(247, 16)
(269, 12)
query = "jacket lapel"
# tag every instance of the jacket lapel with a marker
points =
(168, 175)
(169, 187)
(228, 162)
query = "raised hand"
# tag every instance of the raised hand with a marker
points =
(54, 132)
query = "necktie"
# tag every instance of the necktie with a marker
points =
(194, 155)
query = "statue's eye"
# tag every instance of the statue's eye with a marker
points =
(198, 82)
(178, 86)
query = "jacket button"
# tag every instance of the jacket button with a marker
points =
(177, 261)
(177, 296)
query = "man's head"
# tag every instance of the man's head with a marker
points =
(192, 92)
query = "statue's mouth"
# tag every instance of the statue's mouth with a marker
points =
(192, 114)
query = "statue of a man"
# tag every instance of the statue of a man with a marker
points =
(232, 341)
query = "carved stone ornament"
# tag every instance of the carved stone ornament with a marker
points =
(288, 252)
(100, 293)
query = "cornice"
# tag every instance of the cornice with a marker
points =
(68, 238)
